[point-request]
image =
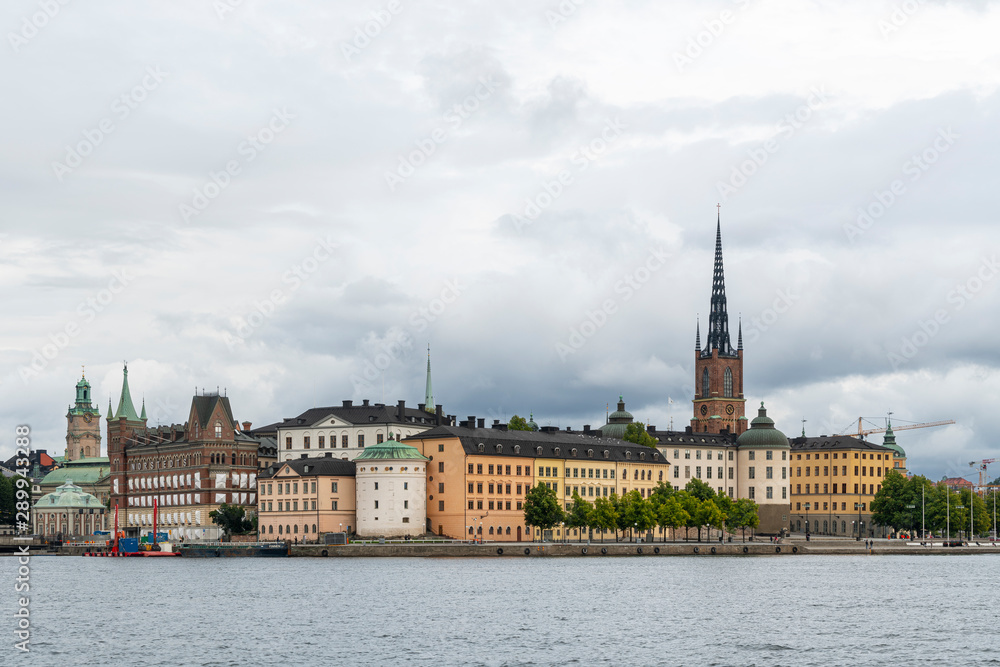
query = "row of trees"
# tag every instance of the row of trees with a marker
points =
(9, 487)
(901, 503)
(696, 506)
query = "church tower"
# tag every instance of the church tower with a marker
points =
(718, 368)
(123, 427)
(83, 424)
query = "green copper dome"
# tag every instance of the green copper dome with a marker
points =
(890, 442)
(762, 433)
(69, 495)
(618, 421)
(531, 422)
(390, 449)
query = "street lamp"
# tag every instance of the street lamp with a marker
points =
(807, 521)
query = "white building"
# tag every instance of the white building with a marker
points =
(391, 483)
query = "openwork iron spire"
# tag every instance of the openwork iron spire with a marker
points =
(718, 320)
(429, 393)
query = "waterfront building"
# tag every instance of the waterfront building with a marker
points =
(90, 474)
(392, 480)
(304, 498)
(189, 469)
(69, 513)
(762, 466)
(480, 475)
(833, 481)
(83, 425)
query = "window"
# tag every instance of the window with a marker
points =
(825, 491)
(687, 472)
(518, 489)
(508, 490)
(440, 506)
(376, 504)
(519, 470)
(406, 504)
(361, 440)
(322, 441)
(218, 429)
(708, 472)
(751, 454)
(334, 506)
(769, 493)
(470, 507)
(719, 471)
(697, 455)
(470, 468)
(730, 455)
(333, 487)
(296, 505)
(752, 493)
(706, 383)
(379, 439)
(677, 472)
(288, 443)
(508, 471)
(768, 472)
(768, 455)
(376, 486)
(479, 504)
(440, 487)
(731, 471)
(727, 383)
(751, 472)
(697, 472)
(440, 448)
(470, 487)
(491, 504)
(490, 469)
(677, 453)
(687, 453)
(491, 488)
(295, 487)
(305, 442)
(440, 466)
(343, 441)
(479, 468)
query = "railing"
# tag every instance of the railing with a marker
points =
(215, 544)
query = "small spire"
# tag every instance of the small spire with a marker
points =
(739, 344)
(111, 415)
(83, 372)
(697, 333)
(143, 415)
(429, 393)
(803, 427)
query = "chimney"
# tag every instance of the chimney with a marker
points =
(348, 404)
(586, 428)
(246, 426)
(650, 429)
(687, 429)
(439, 415)
(472, 421)
(481, 422)
(422, 407)
(568, 429)
(364, 403)
(496, 422)
(401, 411)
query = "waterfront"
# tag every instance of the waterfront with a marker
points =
(813, 610)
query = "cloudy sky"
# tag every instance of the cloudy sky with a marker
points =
(291, 200)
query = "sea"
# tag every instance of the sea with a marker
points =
(771, 610)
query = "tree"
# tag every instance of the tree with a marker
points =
(232, 519)
(744, 515)
(605, 515)
(518, 424)
(541, 508)
(890, 506)
(580, 515)
(671, 514)
(700, 490)
(690, 504)
(6, 500)
(725, 504)
(639, 512)
(709, 514)
(636, 432)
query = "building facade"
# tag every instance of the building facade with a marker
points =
(69, 513)
(302, 499)
(833, 481)
(392, 490)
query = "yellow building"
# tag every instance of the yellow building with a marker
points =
(833, 481)
(300, 500)
(478, 477)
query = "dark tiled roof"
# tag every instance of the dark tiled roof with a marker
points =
(358, 414)
(834, 442)
(527, 443)
(325, 466)
(204, 405)
(685, 439)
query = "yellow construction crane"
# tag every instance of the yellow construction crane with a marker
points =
(981, 465)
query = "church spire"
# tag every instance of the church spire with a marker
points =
(143, 415)
(739, 344)
(697, 334)
(125, 407)
(429, 393)
(718, 320)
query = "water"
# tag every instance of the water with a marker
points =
(805, 610)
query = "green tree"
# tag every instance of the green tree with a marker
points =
(639, 512)
(7, 502)
(518, 424)
(891, 505)
(709, 514)
(605, 515)
(671, 514)
(725, 505)
(744, 515)
(580, 515)
(690, 504)
(232, 519)
(541, 508)
(700, 490)
(636, 432)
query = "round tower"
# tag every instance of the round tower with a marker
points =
(391, 487)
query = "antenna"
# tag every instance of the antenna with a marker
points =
(804, 420)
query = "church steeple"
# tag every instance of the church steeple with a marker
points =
(718, 319)
(429, 393)
(697, 335)
(125, 407)
(739, 344)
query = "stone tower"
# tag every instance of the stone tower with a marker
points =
(83, 425)
(718, 369)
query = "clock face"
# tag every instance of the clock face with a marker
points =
(730, 410)
(704, 409)
(87, 417)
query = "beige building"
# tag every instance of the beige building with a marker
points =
(392, 490)
(302, 499)
(69, 513)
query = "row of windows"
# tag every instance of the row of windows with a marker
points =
(866, 471)
(492, 504)
(751, 455)
(727, 383)
(864, 455)
(866, 489)
(293, 530)
(321, 441)
(218, 458)
(479, 488)
(293, 487)
(499, 469)
(293, 505)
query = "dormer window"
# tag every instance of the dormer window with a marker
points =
(482, 447)
(556, 450)
(590, 453)
(642, 456)
(517, 449)
(628, 455)
(606, 453)
(499, 449)
(538, 450)
(573, 451)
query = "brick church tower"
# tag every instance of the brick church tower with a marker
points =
(83, 425)
(718, 368)
(124, 427)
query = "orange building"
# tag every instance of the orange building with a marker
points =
(301, 499)
(477, 477)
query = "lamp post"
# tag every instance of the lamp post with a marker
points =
(807, 522)
(923, 511)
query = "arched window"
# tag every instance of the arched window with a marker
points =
(279, 530)
(727, 383)
(314, 528)
(705, 384)
(295, 529)
(218, 429)
(508, 530)
(491, 530)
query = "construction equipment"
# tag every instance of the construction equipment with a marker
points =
(862, 432)
(982, 465)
